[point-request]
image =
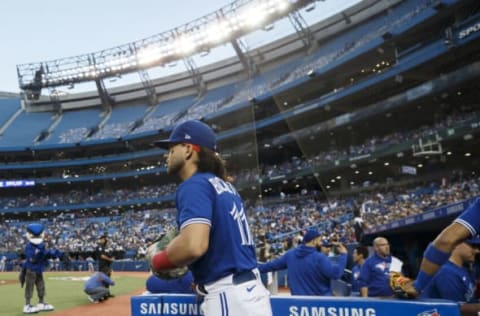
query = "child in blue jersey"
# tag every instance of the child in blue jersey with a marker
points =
(36, 259)
(309, 271)
(455, 281)
(214, 239)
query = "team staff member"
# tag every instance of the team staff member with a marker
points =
(454, 281)
(97, 286)
(104, 260)
(214, 239)
(375, 271)
(309, 271)
(360, 254)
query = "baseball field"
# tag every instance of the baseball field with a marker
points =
(65, 292)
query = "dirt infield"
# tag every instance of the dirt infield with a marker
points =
(118, 305)
(5, 282)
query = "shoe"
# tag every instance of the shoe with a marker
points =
(44, 307)
(110, 295)
(29, 309)
(92, 300)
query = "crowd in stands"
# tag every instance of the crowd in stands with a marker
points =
(250, 89)
(73, 197)
(276, 224)
(369, 146)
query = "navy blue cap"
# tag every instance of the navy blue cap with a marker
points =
(475, 241)
(310, 235)
(192, 132)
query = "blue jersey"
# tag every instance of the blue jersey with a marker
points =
(206, 199)
(470, 218)
(452, 283)
(355, 278)
(375, 275)
(309, 272)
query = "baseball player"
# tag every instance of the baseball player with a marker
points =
(438, 252)
(32, 274)
(214, 238)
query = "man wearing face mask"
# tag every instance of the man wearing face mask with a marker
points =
(309, 271)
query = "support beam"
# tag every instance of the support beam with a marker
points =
(301, 28)
(107, 101)
(149, 88)
(195, 75)
(241, 50)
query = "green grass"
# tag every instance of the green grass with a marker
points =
(64, 290)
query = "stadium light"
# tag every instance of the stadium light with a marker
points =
(232, 21)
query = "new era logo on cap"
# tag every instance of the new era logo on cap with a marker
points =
(193, 132)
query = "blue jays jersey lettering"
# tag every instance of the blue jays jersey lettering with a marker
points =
(207, 199)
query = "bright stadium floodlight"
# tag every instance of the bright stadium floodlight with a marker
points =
(201, 35)
(185, 45)
(217, 32)
(149, 55)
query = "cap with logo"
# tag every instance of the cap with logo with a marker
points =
(310, 235)
(192, 132)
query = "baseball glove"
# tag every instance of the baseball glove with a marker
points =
(402, 286)
(158, 245)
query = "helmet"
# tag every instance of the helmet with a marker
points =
(35, 233)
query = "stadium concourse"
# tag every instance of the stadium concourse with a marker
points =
(370, 115)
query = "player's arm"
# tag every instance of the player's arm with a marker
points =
(105, 257)
(274, 265)
(190, 244)
(438, 252)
